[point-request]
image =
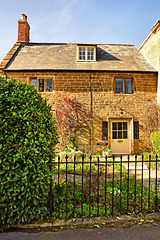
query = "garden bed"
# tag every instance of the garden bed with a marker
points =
(88, 189)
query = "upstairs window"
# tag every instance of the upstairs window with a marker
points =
(42, 85)
(86, 53)
(123, 86)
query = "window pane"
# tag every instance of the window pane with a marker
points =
(81, 53)
(119, 134)
(125, 135)
(120, 126)
(49, 85)
(128, 85)
(124, 126)
(90, 53)
(34, 83)
(104, 130)
(114, 126)
(118, 85)
(41, 85)
(114, 135)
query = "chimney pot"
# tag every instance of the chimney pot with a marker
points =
(24, 17)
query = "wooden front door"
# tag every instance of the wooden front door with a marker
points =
(120, 137)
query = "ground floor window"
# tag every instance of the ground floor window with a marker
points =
(105, 130)
(136, 130)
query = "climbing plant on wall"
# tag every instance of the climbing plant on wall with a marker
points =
(71, 116)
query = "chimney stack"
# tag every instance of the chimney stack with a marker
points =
(23, 29)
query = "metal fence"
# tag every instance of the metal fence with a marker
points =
(94, 186)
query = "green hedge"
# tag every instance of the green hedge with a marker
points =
(155, 140)
(27, 137)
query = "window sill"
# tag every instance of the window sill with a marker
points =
(45, 92)
(86, 61)
(123, 94)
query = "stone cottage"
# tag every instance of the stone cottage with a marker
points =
(114, 81)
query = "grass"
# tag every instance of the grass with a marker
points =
(78, 168)
(86, 165)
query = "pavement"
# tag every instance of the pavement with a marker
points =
(146, 232)
(124, 227)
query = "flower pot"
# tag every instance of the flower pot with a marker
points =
(107, 153)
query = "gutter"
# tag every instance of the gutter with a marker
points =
(75, 70)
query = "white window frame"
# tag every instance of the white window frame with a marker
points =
(86, 53)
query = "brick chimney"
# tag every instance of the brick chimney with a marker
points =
(23, 29)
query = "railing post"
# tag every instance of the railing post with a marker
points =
(74, 181)
(82, 185)
(51, 194)
(66, 186)
(128, 186)
(135, 187)
(58, 187)
(142, 186)
(121, 184)
(156, 198)
(113, 188)
(90, 176)
(149, 183)
(98, 190)
(106, 186)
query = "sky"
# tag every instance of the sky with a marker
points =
(78, 21)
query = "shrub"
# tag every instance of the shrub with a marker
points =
(155, 140)
(150, 120)
(27, 137)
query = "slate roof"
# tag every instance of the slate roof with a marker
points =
(63, 56)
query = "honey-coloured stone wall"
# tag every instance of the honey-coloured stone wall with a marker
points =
(96, 91)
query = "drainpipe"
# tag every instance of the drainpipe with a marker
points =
(5, 74)
(91, 113)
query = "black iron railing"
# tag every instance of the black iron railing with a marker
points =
(94, 186)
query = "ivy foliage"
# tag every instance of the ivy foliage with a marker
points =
(27, 137)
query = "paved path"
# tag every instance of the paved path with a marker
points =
(146, 232)
(139, 170)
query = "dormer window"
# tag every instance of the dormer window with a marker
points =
(86, 53)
